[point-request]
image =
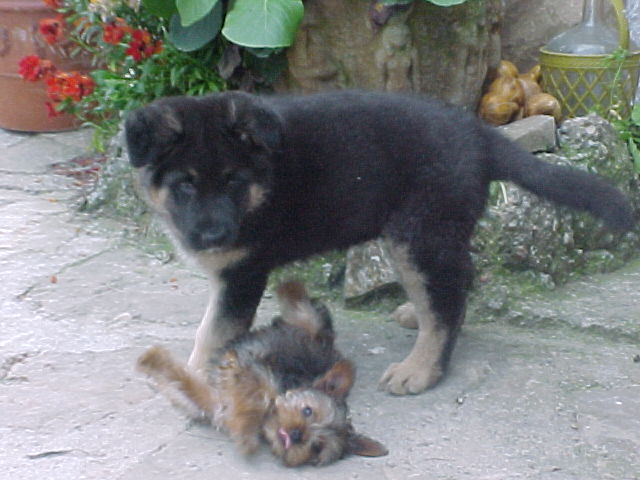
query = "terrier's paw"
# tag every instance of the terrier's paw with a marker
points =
(409, 377)
(405, 315)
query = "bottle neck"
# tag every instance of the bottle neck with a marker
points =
(593, 13)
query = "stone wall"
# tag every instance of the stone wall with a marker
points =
(444, 52)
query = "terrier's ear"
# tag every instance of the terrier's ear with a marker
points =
(150, 131)
(365, 446)
(338, 381)
(253, 122)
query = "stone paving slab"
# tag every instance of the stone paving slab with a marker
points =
(524, 400)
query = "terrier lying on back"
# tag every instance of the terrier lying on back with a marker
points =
(284, 383)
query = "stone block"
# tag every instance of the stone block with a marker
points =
(534, 134)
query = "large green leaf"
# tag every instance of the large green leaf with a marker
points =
(193, 10)
(446, 3)
(394, 2)
(263, 23)
(198, 34)
(160, 8)
(442, 3)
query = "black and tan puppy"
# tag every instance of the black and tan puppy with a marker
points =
(285, 383)
(248, 183)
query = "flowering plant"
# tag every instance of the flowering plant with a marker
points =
(145, 49)
(132, 63)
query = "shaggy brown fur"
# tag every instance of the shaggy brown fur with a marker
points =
(285, 383)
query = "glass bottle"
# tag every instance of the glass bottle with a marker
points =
(590, 37)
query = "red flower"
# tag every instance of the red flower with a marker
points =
(55, 4)
(68, 86)
(54, 86)
(51, 29)
(141, 45)
(29, 68)
(51, 110)
(114, 31)
(47, 68)
(33, 68)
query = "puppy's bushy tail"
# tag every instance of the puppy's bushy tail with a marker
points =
(563, 185)
(158, 363)
(301, 311)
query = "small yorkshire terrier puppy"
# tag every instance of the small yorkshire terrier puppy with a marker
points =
(284, 383)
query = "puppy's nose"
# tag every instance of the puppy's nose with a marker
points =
(295, 435)
(211, 235)
(214, 236)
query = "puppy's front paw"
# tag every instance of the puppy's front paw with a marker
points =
(408, 377)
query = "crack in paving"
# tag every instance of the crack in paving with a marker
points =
(10, 362)
(65, 268)
(58, 453)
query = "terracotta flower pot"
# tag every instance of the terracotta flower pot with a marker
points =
(22, 103)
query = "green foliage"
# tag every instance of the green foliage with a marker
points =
(264, 24)
(191, 11)
(446, 3)
(160, 8)
(440, 3)
(197, 34)
(137, 63)
(248, 23)
(629, 131)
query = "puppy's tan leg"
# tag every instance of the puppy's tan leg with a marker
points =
(421, 369)
(214, 331)
(234, 294)
(205, 341)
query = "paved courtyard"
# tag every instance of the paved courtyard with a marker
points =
(557, 399)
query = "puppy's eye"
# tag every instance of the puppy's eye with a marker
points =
(236, 179)
(185, 187)
(307, 412)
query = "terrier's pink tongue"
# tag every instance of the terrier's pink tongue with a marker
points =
(284, 438)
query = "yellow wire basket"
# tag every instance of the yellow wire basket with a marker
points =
(593, 83)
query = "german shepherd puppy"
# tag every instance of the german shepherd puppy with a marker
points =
(248, 183)
(285, 383)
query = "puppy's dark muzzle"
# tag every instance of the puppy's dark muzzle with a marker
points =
(216, 235)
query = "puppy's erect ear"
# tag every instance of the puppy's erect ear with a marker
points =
(149, 131)
(365, 446)
(254, 122)
(338, 381)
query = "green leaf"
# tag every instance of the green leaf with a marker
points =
(446, 3)
(635, 114)
(160, 8)
(198, 34)
(394, 2)
(635, 155)
(193, 10)
(263, 23)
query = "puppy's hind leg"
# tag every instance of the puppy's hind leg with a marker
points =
(436, 284)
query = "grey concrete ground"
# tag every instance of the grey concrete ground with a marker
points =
(554, 394)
